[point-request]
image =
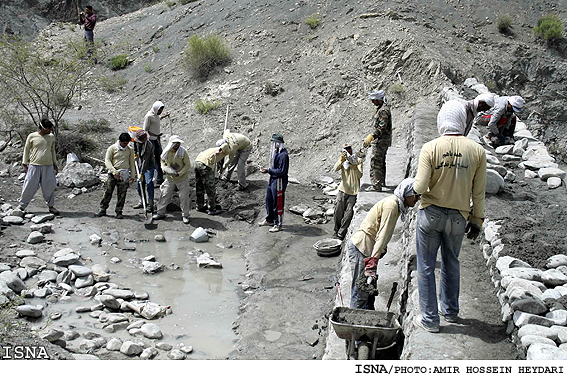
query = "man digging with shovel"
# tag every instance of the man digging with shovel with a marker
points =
(368, 245)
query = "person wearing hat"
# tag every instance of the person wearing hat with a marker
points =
(152, 125)
(277, 184)
(240, 148)
(368, 245)
(380, 139)
(40, 165)
(481, 103)
(119, 160)
(145, 158)
(501, 120)
(451, 172)
(175, 165)
(350, 166)
(205, 170)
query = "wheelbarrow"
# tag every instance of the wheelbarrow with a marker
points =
(368, 334)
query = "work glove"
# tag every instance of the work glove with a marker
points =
(141, 178)
(472, 230)
(368, 140)
(343, 158)
(370, 266)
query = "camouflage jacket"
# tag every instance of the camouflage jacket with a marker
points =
(382, 122)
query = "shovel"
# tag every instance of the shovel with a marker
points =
(149, 219)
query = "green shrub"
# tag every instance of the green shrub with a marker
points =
(503, 23)
(112, 83)
(313, 20)
(183, 2)
(148, 67)
(549, 27)
(170, 3)
(203, 54)
(396, 88)
(204, 106)
(156, 49)
(119, 62)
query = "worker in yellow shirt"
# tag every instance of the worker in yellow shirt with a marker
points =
(350, 166)
(205, 170)
(451, 170)
(368, 245)
(119, 160)
(40, 166)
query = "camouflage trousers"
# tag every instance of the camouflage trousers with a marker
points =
(121, 189)
(205, 183)
(378, 162)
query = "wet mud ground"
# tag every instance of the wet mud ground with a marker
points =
(271, 300)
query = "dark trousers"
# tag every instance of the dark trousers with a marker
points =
(344, 210)
(272, 201)
(121, 189)
(157, 153)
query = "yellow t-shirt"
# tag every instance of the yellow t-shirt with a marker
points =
(350, 178)
(116, 159)
(377, 228)
(210, 158)
(181, 165)
(451, 168)
(39, 150)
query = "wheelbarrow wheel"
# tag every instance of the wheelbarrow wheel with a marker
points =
(363, 350)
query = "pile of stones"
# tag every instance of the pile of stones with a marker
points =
(534, 301)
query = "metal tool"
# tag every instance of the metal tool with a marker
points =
(394, 288)
(149, 219)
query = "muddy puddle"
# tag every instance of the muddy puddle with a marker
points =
(204, 302)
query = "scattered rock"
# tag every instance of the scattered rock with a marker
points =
(80, 271)
(554, 182)
(206, 261)
(42, 218)
(95, 239)
(159, 238)
(494, 182)
(114, 344)
(151, 267)
(149, 353)
(176, 355)
(13, 220)
(101, 273)
(541, 351)
(29, 310)
(51, 334)
(12, 281)
(44, 228)
(151, 331)
(109, 301)
(131, 348)
(548, 172)
(25, 253)
(35, 237)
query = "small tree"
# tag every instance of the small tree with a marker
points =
(36, 83)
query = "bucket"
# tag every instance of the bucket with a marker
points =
(199, 235)
(328, 247)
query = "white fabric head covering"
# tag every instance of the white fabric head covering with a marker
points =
(222, 141)
(172, 140)
(487, 98)
(156, 106)
(377, 95)
(451, 118)
(404, 189)
(517, 103)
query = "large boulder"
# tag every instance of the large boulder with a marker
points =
(77, 174)
(494, 182)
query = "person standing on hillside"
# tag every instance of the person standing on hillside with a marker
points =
(350, 166)
(119, 160)
(501, 120)
(481, 103)
(451, 169)
(275, 193)
(88, 19)
(240, 148)
(145, 158)
(152, 125)
(368, 245)
(176, 165)
(40, 165)
(380, 139)
(205, 169)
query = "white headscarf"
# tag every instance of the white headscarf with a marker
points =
(404, 189)
(179, 153)
(487, 98)
(452, 118)
(517, 103)
(156, 106)
(377, 95)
